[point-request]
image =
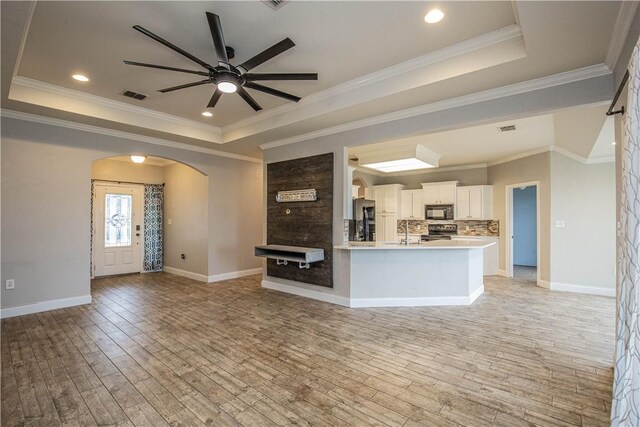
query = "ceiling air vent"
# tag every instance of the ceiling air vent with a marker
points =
(134, 95)
(275, 4)
(506, 128)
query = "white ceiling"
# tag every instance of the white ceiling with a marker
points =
(358, 49)
(339, 40)
(485, 144)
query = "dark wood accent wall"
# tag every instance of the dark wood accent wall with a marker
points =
(308, 224)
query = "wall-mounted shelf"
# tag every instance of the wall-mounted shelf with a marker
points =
(283, 254)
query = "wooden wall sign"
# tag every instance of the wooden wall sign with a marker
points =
(305, 223)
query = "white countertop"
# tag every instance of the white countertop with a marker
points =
(435, 244)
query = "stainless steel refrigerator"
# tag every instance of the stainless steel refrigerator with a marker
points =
(363, 227)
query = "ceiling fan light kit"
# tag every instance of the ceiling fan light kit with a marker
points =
(229, 78)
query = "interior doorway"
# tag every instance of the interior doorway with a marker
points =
(523, 232)
(118, 229)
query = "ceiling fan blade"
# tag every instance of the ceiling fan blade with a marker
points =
(171, 46)
(267, 54)
(272, 91)
(164, 67)
(281, 76)
(184, 86)
(248, 99)
(218, 38)
(214, 99)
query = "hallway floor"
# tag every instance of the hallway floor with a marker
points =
(525, 273)
(158, 349)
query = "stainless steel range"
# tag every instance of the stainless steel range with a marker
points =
(440, 232)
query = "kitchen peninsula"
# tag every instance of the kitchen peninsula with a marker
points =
(441, 272)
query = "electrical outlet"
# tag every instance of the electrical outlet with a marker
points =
(9, 284)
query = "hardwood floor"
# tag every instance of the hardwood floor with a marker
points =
(525, 273)
(158, 349)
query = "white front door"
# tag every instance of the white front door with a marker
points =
(118, 229)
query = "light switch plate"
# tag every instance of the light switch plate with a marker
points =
(9, 284)
(559, 224)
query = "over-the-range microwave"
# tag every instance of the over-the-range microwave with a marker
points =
(444, 212)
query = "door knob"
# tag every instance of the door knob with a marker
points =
(137, 234)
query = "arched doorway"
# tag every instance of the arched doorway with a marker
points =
(146, 212)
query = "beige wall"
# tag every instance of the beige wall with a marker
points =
(115, 170)
(532, 168)
(235, 216)
(46, 194)
(46, 191)
(583, 253)
(186, 201)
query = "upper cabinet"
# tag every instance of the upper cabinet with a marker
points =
(474, 202)
(439, 193)
(388, 198)
(355, 189)
(412, 204)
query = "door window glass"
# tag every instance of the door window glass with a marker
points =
(117, 212)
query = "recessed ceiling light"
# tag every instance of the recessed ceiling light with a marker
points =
(434, 15)
(138, 159)
(207, 113)
(80, 77)
(399, 165)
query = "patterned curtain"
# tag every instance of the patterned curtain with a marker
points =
(625, 406)
(153, 218)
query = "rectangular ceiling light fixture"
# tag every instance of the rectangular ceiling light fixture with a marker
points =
(411, 157)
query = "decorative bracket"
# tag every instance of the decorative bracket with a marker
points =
(281, 262)
(303, 265)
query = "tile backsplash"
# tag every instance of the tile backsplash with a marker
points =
(475, 228)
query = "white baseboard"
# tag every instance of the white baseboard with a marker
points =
(474, 296)
(308, 293)
(415, 302)
(234, 275)
(185, 273)
(53, 304)
(502, 273)
(372, 302)
(581, 289)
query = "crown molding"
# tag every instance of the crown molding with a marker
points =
(568, 154)
(520, 156)
(488, 50)
(620, 32)
(488, 95)
(462, 48)
(598, 160)
(23, 38)
(48, 95)
(120, 134)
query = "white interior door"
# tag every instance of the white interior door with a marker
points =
(118, 229)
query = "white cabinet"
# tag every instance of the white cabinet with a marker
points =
(412, 205)
(386, 227)
(439, 193)
(387, 198)
(355, 189)
(491, 255)
(474, 202)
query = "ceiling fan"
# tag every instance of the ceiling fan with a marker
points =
(226, 77)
